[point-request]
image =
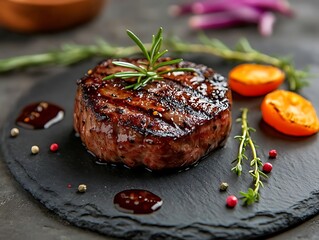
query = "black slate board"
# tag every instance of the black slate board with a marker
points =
(193, 207)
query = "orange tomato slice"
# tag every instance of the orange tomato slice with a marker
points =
(255, 79)
(290, 113)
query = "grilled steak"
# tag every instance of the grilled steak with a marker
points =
(169, 123)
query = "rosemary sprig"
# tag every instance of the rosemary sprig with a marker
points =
(252, 195)
(68, 54)
(149, 70)
(243, 52)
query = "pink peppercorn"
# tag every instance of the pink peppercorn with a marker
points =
(54, 147)
(69, 185)
(273, 153)
(267, 167)
(231, 201)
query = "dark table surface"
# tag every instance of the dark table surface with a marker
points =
(22, 217)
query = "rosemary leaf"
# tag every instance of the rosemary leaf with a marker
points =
(139, 44)
(149, 73)
(124, 75)
(128, 65)
(166, 63)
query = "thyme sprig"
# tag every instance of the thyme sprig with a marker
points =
(252, 195)
(243, 140)
(243, 52)
(149, 70)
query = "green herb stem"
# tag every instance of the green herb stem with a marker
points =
(242, 145)
(67, 55)
(252, 195)
(226, 54)
(243, 52)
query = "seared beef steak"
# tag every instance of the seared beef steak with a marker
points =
(168, 123)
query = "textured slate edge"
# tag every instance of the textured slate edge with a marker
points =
(118, 227)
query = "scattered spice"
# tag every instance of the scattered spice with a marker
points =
(35, 149)
(160, 109)
(82, 188)
(267, 167)
(231, 201)
(14, 132)
(54, 147)
(273, 153)
(223, 186)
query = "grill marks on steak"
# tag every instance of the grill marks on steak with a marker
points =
(184, 106)
(165, 113)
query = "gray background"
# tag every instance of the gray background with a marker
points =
(21, 217)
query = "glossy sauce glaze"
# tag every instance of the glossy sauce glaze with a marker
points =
(137, 201)
(40, 115)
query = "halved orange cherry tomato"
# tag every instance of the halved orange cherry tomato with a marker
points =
(290, 113)
(252, 80)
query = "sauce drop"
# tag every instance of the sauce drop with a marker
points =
(40, 115)
(137, 201)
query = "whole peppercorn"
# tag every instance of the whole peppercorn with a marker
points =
(231, 201)
(82, 188)
(35, 149)
(273, 153)
(54, 147)
(160, 109)
(14, 132)
(267, 167)
(223, 186)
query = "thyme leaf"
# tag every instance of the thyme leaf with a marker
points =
(252, 195)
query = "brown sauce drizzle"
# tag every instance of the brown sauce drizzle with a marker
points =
(137, 201)
(40, 115)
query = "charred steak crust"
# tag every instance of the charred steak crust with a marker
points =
(169, 123)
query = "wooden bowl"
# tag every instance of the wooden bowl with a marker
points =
(47, 15)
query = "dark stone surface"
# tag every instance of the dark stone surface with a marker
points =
(193, 207)
(23, 217)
